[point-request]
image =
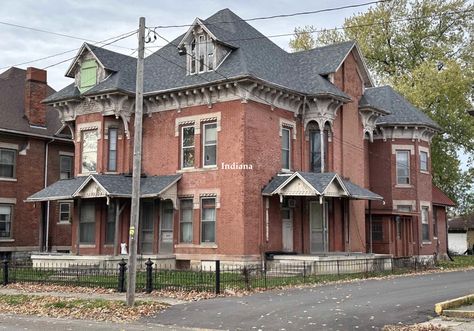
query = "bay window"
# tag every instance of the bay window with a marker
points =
(403, 167)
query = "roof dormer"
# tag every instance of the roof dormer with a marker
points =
(203, 49)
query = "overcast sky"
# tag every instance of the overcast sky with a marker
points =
(100, 20)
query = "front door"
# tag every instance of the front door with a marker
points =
(318, 228)
(146, 226)
(287, 229)
(166, 227)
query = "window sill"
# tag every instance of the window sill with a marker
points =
(403, 186)
(195, 246)
(7, 240)
(7, 179)
(426, 242)
(86, 245)
(424, 172)
(180, 171)
(64, 223)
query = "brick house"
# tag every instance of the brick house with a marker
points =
(35, 151)
(247, 149)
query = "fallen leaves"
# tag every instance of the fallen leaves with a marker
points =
(89, 309)
(415, 327)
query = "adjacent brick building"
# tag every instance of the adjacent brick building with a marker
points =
(247, 149)
(35, 151)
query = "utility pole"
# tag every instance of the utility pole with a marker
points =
(137, 169)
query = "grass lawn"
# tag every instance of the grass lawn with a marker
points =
(461, 261)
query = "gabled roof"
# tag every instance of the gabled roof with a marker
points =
(113, 186)
(108, 59)
(440, 198)
(328, 59)
(401, 112)
(254, 56)
(319, 184)
(12, 106)
(462, 223)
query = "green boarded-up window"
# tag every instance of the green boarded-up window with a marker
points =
(88, 74)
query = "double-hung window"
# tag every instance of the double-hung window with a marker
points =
(65, 212)
(425, 224)
(65, 165)
(112, 166)
(89, 151)
(87, 223)
(403, 167)
(377, 231)
(208, 220)
(6, 212)
(423, 161)
(210, 144)
(285, 149)
(7, 163)
(186, 221)
(187, 147)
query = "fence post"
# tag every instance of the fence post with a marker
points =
(121, 279)
(149, 276)
(304, 271)
(337, 263)
(5, 272)
(265, 272)
(218, 276)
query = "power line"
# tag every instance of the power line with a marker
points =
(94, 47)
(280, 15)
(61, 53)
(53, 33)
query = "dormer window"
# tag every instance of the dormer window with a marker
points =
(201, 56)
(88, 75)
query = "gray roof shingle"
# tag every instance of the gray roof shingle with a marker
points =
(254, 56)
(400, 111)
(12, 105)
(320, 182)
(115, 185)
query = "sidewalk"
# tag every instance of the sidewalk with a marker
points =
(105, 296)
(452, 324)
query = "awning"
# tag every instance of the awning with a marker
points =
(109, 186)
(326, 184)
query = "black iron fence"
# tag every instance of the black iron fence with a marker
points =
(216, 278)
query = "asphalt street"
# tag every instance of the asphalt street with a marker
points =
(362, 305)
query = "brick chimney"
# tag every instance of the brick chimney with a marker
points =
(35, 92)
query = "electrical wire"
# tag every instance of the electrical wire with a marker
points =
(280, 15)
(61, 53)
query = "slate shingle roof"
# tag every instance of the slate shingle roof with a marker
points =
(254, 56)
(320, 181)
(401, 112)
(115, 185)
(12, 110)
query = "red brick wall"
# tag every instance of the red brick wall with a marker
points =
(27, 217)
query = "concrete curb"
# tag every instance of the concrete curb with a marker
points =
(454, 303)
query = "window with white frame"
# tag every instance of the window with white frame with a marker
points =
(6, 212)
(403, 167)
(112, 166)
(285, 148)
(187, 147)
(87, 223)
(89, 151)
(7, 163)
(210, 144)
(65, 165)
(202, 54)
(423, 161)
(425, 227)
(186, 221)
(208, 220)
(65, 212)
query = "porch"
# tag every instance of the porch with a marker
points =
(316, 215)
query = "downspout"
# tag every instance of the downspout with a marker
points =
(46, 156)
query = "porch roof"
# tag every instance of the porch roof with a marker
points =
(317, 184)
(113, 186)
